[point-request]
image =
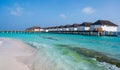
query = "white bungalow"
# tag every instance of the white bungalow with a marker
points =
(60, 28)
(66, 28)
(46, 29)
(49, 28)
(54, 29)
(34, 29)
(85, 26)
(74, 27)
(57, 28)
(104, 25)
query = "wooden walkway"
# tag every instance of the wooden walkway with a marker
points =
(88, 33)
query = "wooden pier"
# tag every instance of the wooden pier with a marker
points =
(87, 33)
(19, 32)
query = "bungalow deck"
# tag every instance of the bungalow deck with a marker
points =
(88, 33)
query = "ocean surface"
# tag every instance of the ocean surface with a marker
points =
(55, 53)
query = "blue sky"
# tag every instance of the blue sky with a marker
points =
(20, 14)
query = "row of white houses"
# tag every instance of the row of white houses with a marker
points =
(100, 25)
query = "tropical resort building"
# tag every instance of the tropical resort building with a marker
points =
(104, 25)
(99, 28)
(53, 28)
(56, 28)
(85, 26)
(49, 29)
(46, 29)
(74, 27)
(60, 28)
(66, 27)
(34, 29)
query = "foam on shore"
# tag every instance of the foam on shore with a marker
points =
(15, 55)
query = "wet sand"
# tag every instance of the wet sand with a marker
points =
(15, 54)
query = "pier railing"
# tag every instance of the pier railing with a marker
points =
(89, 33)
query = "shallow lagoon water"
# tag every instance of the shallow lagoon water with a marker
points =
(53, 57)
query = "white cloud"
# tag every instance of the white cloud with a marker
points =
(88, 10)
(16, 10)
(62, 16)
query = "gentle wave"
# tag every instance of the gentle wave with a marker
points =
(47, 59)
(51, 57)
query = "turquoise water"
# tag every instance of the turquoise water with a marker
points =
(62, 58)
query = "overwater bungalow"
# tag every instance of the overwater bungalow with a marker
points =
(51, 29)
(74, 27)
(46, 29)
(98, 28)
(104, 26)
(60, 28)
(34, 29)
(85, 26)
(55, 28)
(67, 28)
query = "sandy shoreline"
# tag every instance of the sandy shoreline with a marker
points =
(15, 55)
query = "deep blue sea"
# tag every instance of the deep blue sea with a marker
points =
(54, 50)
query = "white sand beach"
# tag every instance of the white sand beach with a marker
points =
(15, 55)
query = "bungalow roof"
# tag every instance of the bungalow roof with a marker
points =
(87, 24)
(104, 22)
(75, 25)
